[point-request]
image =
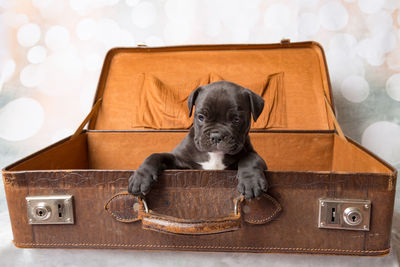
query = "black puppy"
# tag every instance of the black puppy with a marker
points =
(218, 140)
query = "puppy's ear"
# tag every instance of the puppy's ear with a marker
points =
(192, 99)
(256, 104)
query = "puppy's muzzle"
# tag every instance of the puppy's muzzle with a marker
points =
(216, 138)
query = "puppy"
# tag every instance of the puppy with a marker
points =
(218, 140)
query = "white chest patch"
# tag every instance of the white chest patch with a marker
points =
(215, 161)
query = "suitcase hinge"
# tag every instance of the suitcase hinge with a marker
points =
(285, 42)
(88, 117)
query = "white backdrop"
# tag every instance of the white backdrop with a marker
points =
(51, 52)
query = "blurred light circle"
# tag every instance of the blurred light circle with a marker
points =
(86, 29)
(61, 134)
(384, 41)
(393, 60)
(344, 42)
(380, 21)
(110, 2)
(132, 2)
(177, 33)
(212, 27)
(278, 16)
(363, 47)
(368, 49)
(144, 14)
(20, 119)
(308, 3)
(185, 11)
(355, 88)
(79, 6)
(308, 24)
(41, 3)
(28, 34)
(31, 75)
(393, 86)
(154, 41)
(37, 54)
(241, 34)
(57, 38)
(280, 22)
(51, 10)
(333, 16)
(342, 64)
(109, 34)
(86, 97)
(125, 38)
(383, 138)
(374, 49)
(93, 62)
(370, 6)
(7, 69)
(12, 19)
(64, 72)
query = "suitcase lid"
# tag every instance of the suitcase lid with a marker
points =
(147, 88)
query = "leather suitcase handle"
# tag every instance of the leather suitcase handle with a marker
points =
(126, 208)
(168, 224)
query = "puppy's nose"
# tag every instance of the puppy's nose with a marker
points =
(216, 138)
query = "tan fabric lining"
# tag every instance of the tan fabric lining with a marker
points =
(281, 151)
(165, 78)
(72, 154)
(350, 158)
(163, 106)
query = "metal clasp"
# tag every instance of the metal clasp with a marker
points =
(146, 208)
(50, 209)
(346, 214)
(237, 201)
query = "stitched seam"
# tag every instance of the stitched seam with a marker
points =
(202, 247)
(266, 219)
(224, 230)
(120, 219)
(277, 205)
(177, 220)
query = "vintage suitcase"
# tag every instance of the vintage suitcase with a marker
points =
(327, 195)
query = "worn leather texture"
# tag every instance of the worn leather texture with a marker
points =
(210, 217)
(307, 161)
(294, 230)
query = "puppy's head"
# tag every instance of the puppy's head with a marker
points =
(222, 116)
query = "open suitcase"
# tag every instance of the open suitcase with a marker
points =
(327, 194)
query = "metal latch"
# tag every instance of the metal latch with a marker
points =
(50, 209)
(285, 42)
(347, 214)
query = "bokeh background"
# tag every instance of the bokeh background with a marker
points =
(51, 53)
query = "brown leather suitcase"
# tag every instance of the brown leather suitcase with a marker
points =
(327, 195)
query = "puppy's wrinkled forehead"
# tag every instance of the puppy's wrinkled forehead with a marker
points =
(222, 96)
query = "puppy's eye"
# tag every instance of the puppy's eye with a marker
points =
(201, 117)
(236, 121)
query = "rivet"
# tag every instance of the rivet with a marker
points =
(322, 204)
(366, 206)
(365, 227)
(136, 207)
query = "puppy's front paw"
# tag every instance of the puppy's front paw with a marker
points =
(140, 182)
(251, 183)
